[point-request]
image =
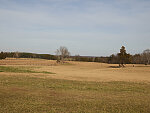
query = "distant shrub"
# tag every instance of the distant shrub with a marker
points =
(2, 55)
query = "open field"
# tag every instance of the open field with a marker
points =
(82, 71)
(41, 86)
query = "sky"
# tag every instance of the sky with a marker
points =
(85, 27)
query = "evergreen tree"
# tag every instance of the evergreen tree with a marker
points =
(123, 57)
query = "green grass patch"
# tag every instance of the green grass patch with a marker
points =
(38, 95)
(20, 70)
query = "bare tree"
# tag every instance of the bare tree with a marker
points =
(62, 53)
(16, 54)
(146, 56)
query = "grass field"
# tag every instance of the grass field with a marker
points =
(76, 87)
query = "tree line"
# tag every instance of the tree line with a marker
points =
(3, 55)
(63, 54)
(142, 58)
(120, 58)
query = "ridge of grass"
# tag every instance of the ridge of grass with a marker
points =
(20, 70)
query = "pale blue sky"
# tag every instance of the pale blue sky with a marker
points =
(85, 27)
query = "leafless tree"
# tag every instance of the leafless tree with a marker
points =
(146, 56)
(16, 54)
(62, 53)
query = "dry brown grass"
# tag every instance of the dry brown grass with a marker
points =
(24, 92)
(85, 71)
(27, 61)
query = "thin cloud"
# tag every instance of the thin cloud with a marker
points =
(76, 22)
